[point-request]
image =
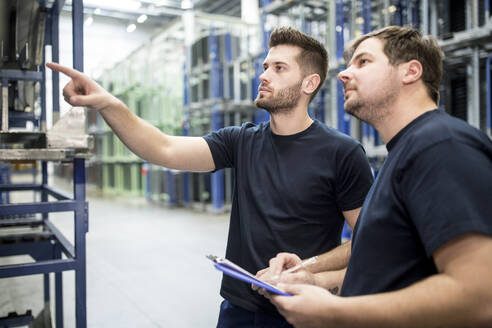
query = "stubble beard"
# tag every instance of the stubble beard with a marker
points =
(373, 109)
(283, 102)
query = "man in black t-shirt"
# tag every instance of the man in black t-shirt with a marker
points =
(422, 246)
(296, 180)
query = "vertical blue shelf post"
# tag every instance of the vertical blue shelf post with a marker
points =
(217, 116)
(81, 219)
(342, 117)
(367, 130)
(81, 228)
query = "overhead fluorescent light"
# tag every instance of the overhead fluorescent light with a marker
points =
(127, 5)
(130, 28)
(97, 11)
(142, 18)
(186, 4)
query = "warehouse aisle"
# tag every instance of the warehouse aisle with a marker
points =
(146, 267)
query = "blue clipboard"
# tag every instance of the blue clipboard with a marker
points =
(235, 271)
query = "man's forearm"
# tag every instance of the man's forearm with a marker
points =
(139, 136)
(438, 301)
(331, 280)
(336, 259)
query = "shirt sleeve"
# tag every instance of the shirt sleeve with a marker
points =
(222, 144)
(446, 190)
(354, 179)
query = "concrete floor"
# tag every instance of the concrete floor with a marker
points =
(146, 267)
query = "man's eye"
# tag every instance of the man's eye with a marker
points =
(363, 61)
(279, 68)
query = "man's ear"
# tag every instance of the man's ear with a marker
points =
(412, 71)
(311, 83)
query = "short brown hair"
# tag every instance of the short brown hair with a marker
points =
(313, 57)
(404, 43)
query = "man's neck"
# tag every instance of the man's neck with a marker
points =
(401, 113)
(290, 123)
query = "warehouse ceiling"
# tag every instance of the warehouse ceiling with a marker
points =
(158, 12)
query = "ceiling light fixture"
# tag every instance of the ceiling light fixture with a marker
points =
(142, 18)
(97, 11)
(127, 5)
(130, 28)
(186, 4)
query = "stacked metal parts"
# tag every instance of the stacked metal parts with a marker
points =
(30, 243)
(22, 28)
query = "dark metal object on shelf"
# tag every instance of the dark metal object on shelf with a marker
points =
(13, 319)
(24, 140)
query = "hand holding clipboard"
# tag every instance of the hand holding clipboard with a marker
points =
(235, 271)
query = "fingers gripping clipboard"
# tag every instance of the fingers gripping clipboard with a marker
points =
(235, 271)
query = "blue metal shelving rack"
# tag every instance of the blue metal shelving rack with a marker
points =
(48, 246)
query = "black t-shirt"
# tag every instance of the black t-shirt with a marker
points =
(435, 185)
(289, 194)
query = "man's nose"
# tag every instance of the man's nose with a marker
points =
(344, 75)
(264, 78)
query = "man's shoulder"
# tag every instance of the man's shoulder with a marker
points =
(326, 131)
(334, 141)
(245, 128)
(441, 127)
(250, 126)
(440, 134)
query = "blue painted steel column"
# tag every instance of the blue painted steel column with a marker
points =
(78, 34)
(415, 14)
(342, 117)
(367, 129)
(44, 198)
(228, 48)
(487, 11)
(57, 254)
(397, 18)
(81, 220)
(171, 189)
(261, 115)
(81, 227)
(217, 116)
(265, 34)
(44, 165)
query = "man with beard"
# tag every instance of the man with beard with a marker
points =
(421, 249)
(296, 180)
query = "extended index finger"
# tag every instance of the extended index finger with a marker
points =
(70, 72)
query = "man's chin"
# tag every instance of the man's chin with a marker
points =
(352, 110)
(261, 103)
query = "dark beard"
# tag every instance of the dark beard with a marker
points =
(283, 102)
(371, 111)
(368, 113)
